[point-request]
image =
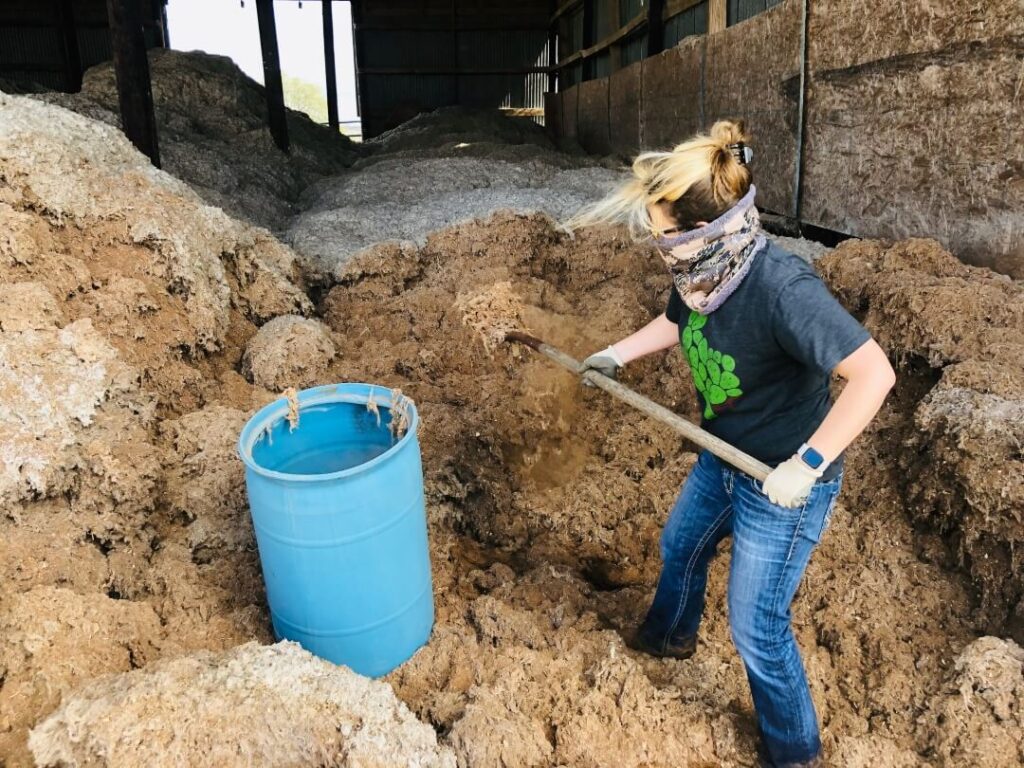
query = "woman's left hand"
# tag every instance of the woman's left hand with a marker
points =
(789, 484)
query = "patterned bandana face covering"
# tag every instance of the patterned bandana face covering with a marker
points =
(709, 263)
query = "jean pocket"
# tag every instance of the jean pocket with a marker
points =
(818, 510)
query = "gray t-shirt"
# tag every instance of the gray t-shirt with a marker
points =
(763, 360)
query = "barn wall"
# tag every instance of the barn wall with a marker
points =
(418, 55)
(749, 71)
(624, 109)
(752, 72)
(914, 124)
(32, 47)
(913, 114)
(671, 95)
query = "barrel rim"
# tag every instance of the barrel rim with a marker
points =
(348, 392)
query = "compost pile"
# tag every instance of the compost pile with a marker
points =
(125, 308)
(546, 504)
(139, 328)
(212, 127)
(449, 166)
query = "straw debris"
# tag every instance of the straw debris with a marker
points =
(371, 406)
(492, 313)
(401, 416)
(292, 396)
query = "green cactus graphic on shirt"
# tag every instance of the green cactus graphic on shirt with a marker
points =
(713, 372)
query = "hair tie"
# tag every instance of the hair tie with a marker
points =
(741, 152)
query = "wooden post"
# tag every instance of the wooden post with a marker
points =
(329, 65)
(72, 55)
(134, 90)
(717, 15)
(655, 27)
(276, 115)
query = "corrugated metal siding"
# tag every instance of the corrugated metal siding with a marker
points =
(634, 49)
(741, 10)
(32, 43)
(493, 48)
(501, 90)
(629, 9)
(692, 21)
(32, 47)
(405, 92)
(37, 56)
(407, 49)
(572, 75)
(603, 21)
(575, 41)
(94, 46)
(403, 35)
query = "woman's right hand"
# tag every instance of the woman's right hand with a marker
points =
(606, 362)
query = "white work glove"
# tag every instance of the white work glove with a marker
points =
(606, 362)
(789, 484)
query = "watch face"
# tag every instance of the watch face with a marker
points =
(812, 458)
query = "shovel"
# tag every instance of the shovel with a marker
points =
(718, 447)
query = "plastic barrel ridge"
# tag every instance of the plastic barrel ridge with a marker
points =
(340, 521)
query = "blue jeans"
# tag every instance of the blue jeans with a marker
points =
(770, 550)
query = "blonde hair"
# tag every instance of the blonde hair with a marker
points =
(701, 177)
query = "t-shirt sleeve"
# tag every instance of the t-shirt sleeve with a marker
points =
(813, 327)
(674, 310)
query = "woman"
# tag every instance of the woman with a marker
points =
(763, 337)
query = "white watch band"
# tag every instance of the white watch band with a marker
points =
(824, 462)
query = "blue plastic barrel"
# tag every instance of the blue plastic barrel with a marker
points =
(340, 522)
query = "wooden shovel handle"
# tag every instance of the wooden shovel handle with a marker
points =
(717, 446)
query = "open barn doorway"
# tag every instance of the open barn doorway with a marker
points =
(231, 29)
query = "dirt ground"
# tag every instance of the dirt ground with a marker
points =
(554, 497)
(129, 338)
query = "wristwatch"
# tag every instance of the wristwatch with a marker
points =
(812, 458)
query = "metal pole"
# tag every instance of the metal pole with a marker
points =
(588, 38)
(72, 55)
(161, 15)
(655, 27)
(553, 57)
(359, 62)
(332, 74)
(455, 51)
(276, 115)
(615, 49)
(134, 90)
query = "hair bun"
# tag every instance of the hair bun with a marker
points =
(727, 132)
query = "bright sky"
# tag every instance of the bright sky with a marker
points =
(226, 28)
